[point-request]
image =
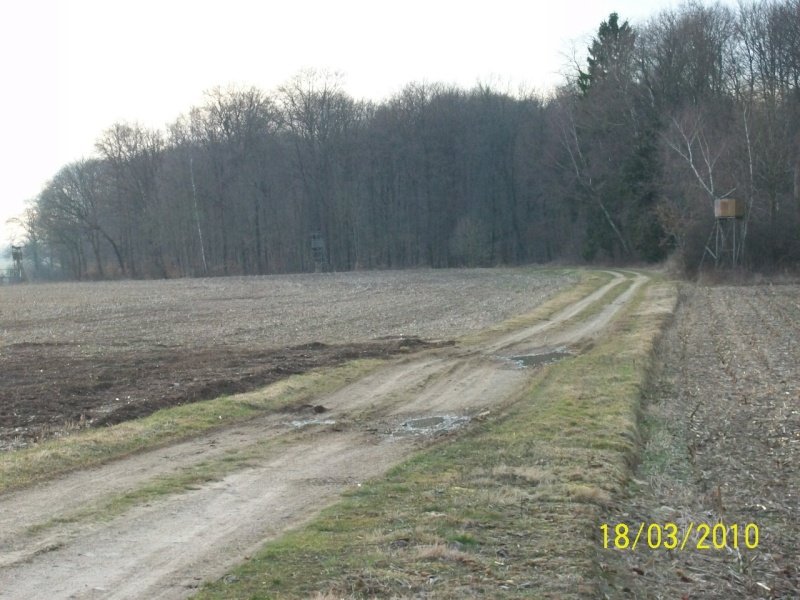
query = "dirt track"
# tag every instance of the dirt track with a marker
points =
(164, 548)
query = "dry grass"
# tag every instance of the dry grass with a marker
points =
(530, 474)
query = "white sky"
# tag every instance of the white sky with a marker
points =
(72, 68)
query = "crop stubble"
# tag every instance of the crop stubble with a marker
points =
(724, 447)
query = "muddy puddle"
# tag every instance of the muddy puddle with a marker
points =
(429, 425)
(307, 422)
(536, 360)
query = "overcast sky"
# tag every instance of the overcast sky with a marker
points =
(72, 68)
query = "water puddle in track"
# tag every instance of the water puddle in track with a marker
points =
(536, 360)
(429, 425)
(307, 422)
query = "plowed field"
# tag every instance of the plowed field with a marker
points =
(724, 451)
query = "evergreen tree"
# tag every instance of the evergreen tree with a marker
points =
(610, 50)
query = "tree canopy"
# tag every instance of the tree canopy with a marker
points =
(622, 163)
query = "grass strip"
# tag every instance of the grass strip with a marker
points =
(92, 447)
(511, 509)
(598, 305)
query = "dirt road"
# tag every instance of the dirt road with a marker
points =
(72, 538)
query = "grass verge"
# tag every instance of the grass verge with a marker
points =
(511, 509)
(92, 447)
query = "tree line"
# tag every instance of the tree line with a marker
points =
(623, 163)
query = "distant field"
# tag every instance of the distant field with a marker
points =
(75, 354)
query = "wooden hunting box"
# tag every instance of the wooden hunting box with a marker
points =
(728, 208)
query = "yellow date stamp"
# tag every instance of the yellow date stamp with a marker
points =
(671, 537)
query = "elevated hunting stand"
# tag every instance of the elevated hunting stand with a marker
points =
(728, 233)
(318, 252)
(16, 266)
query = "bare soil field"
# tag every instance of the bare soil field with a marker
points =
(723, 422)
(90, 354)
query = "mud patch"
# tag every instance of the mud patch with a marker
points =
(429, 425)
(537, 360)
(306, 422)
(49, 391)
